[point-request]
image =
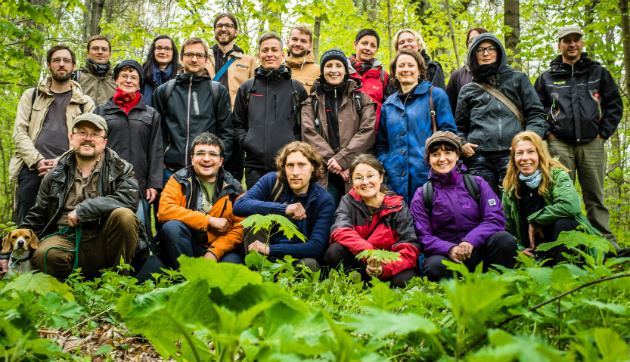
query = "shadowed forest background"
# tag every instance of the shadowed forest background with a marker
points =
(527, 27)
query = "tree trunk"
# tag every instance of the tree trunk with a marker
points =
(28, 51)
(389, 28)
(512, 21)
(316, 32)
(373, 11)
(625, 39)
(452, 30)
(95, 16)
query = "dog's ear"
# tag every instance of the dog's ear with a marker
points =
(34, 240)
(6, 243)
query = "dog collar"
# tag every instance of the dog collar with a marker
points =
(16, 260)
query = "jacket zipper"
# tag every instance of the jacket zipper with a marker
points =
(188, 122)
(224, 207)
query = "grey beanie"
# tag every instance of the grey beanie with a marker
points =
(331, 54)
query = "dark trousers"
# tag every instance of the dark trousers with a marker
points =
(117, 238)
(249, 237)
(499, 249)
(234, 164)
(26, 193)
(338, 255)
(336, 188)
(491, 166)
(156, 203)
(252, 175)
(176, 239)
(551, 233)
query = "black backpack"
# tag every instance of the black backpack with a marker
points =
(296, 107)
(427, 191)
(356, 96)
(214, 89)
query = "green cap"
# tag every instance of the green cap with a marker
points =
(95, 119)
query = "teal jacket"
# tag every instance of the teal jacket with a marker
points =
(562, 201)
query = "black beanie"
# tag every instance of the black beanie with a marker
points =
(331, 54)
(364, 32)
(131, 63)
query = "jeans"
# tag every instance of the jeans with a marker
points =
(588, 161)
(176, 239)
(491, 166)
(156, 203)
(499, 248)
(26, 193)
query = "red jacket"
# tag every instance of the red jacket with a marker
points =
(374, 84)
(390, 228)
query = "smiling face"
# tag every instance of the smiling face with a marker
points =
(61, 65)
(366, 48)
(486, 57)
(299, 171)
(406, 40)
(443, 160)
(270, 54)
(163, 52)
(407, 71)
(299, 43)
(128, 80)
(207, 160)
(366, 181)
(571, 48)
(88, 141)
(526, 157)
(225, 31)
(99, 52)
(334, 72)
(194, 58)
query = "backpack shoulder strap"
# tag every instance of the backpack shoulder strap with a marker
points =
(276, 191)
(214, 90)
(432, 111)
(168, 91)
(472, 186)
(503, 99)
(33, 98)
(427, 196)
(297, 107)
(357, 100)
(315, 105)
(248, 94)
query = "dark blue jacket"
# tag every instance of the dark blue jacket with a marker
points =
(319, 208)
(402, 131)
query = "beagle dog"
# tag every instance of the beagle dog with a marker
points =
(20, 242)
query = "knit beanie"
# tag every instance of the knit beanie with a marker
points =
(364, 32)
(132, 63)
(331, 54)
(446, 137)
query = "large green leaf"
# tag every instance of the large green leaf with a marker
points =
(379, 323)
(230, 278)
(39, 283)
(611, 346)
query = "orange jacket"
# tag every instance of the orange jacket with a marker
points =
(176, 203)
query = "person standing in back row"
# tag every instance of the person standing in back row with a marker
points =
(96, 77)
(300, 57)
(583, 108)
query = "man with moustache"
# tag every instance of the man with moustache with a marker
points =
(233, 67)
(299, 57)
(85, 207)
(583, 108)
(44, 116)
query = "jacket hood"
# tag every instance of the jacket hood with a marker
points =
(481, 38)
(283, 72)
(77, 92)
(353, 84)
(557, 63)
(299, 62)
(229, 185)
(391, 202)
(236, 51)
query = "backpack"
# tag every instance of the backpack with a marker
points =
(356, 95)
(296, 96)
(469, 181)
(214, 89)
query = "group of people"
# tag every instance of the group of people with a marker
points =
(356, 157)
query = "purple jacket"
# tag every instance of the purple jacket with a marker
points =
(456, 216)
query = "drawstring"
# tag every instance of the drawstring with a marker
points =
(77, 240)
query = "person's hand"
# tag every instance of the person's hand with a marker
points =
(43, 166)
(219, 223)
(334, 166)
(532, 231)
(261, 248)
(467, 248)
(151, 194)
(469, 149)
(4, 267)
(73, 219)
(374, 267)
(169, 168)
(210, 255)
(296, 211)
(345, 175)
(457, 254)
(529, 252)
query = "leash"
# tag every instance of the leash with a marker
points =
(77, 241)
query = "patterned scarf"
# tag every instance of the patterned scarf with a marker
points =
(359, 66)
(101, 69)
(126, 101)
(532, 181)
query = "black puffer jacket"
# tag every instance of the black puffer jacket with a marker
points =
(580, 100)
(116, 186)
(484, 120)
(137, 138)
(188, 112)
(265, 115)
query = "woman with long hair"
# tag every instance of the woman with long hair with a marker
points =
(161, 65)
(539, 198)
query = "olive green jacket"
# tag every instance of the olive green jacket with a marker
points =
(562, 201)
(99, 87)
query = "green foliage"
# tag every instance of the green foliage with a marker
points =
(273, 224)
(382, 256)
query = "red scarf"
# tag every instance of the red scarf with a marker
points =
(126, 101)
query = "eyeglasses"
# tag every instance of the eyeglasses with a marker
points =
(83, 134)
(192, 55)
(59, 60)
(360, 179)
(103, 49)
(491, 50)
(163, 49)
(224, 25)
(202, 154)
(134, 78)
